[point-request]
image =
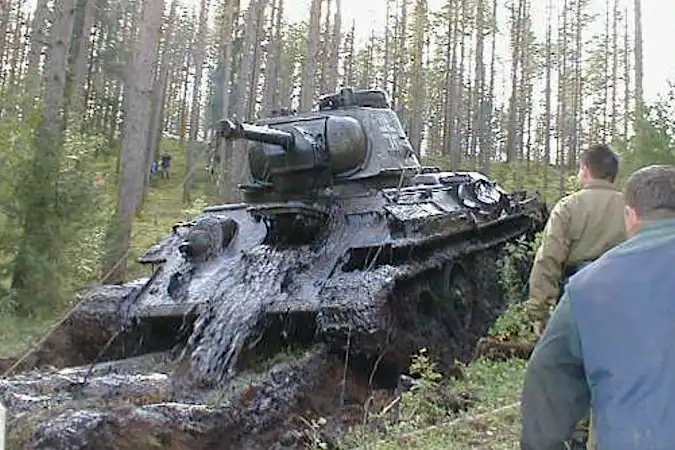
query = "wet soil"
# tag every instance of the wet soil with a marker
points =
(97, 331)
(117, 409)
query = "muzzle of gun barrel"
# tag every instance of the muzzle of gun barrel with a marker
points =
(186, 249)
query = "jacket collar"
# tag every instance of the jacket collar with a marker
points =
(600, 184)
(657, 227)
(652, 234)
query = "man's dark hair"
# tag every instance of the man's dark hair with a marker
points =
(650, 191)
(601, 161)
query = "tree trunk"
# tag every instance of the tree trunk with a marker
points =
(136, 126)
(478, 94)
(512, 138)
(199, 56)
(418, 78)
(159, 100)
(81, 69)
(638, 61)
(489, 110)
(252, 97)
(335, 48)
(242, 88)
(225, 147)
(273, 68)
(37, 44)
(615, 67)
(309, 67)
(626, 76)
(547, 99)
(5, 19)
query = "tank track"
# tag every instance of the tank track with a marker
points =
(443, 300)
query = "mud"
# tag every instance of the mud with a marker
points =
(272, 409)
(98, 330)
(83, 333)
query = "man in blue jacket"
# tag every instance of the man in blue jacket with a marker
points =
(610, 343)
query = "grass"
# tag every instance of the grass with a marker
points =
(18, 335)
(483, 426)
(163, 206)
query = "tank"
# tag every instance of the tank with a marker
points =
(342, 236)
(343, 241)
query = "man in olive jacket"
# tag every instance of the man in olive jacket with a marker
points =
(609, 343)
(580, 228)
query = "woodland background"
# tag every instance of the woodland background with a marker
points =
(92, 91)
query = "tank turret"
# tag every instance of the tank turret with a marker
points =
(303, 155)
(353, 135)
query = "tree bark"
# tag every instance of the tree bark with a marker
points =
(309, 67)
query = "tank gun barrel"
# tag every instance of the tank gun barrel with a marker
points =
(230, 129)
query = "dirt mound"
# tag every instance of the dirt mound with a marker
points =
(500, 350)
(116, 408)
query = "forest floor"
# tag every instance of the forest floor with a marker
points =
(490, 422)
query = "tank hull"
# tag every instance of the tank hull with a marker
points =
(343, 274)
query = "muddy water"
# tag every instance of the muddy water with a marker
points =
(235, 308)
(268, 278)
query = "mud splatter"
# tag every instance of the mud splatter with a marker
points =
(268, 279)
